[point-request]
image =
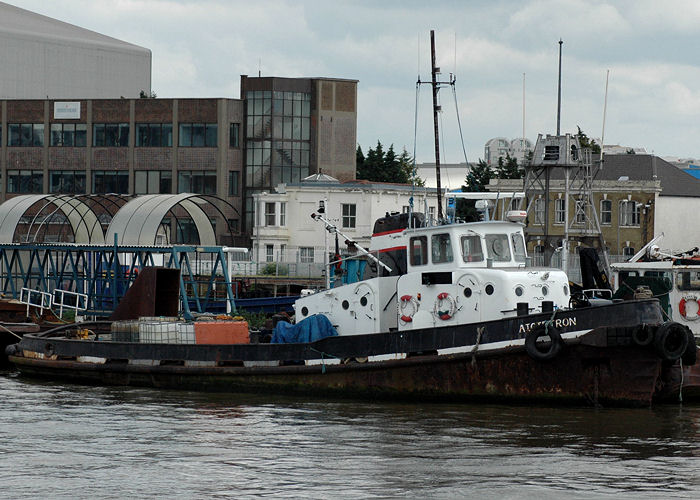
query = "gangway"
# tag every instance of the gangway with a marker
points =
(103, 273)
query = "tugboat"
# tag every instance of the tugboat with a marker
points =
(469, 319)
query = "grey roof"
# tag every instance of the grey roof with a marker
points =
(21, 22)
(636, 167)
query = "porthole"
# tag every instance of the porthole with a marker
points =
(489, 289)
(566, 290)
(545, 290)
(304, 311)
(519, 291)
(467, 292)
(363, 301)
(346, 304)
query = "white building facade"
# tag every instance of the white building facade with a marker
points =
(45, 58)
(285, 232)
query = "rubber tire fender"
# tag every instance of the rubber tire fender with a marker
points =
(555, 346)
(671, 341)
(643, 335)
(690, 355)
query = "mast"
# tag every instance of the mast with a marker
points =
(559, 92)
(434, 72)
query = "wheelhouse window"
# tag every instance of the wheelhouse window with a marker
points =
(349, 214)
(153, 182)
(606, 212)
(688, 280)
(68, 135)
(518, 247)
(154, 135)
(441, 248)
(25, 134)
(198, 135)
(67, 181)
(419, 250)
(25, 181)
(471, 249)
(110, 134)
(497, 247)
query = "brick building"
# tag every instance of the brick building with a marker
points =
(281, 130)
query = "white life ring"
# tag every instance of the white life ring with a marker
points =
(439, 311)
(408, 306)
(681, 307)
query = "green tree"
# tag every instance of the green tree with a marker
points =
(508, 168)
(586, 142)
(381, 166)
(476, 181)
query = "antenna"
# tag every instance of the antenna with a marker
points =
(522, 141)
(259, 64)
(605, 109)
(559, 95)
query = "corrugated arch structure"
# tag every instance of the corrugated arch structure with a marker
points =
(137, 222)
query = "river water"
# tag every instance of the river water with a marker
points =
(68, 441)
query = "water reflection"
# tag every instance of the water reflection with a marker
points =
(67, 440)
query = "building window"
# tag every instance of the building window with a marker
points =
(187, 231)
(25, 134)
(198, 135)
(306, 254)
(539, 210)
(25, 181)
(233, 183)
(196, 181)
(606, 212)
(431, 213)
(629, 213)
(559, 212)
(283, 214)
(110, 135)
(153, 182)
(405, 209)
(349, 215)
(628, 251)
(538, 255)
(580, 217)
(67, 181)
(234, 134)
(68, 135)
(269, 253)
(110, 181)
(233, 225)
(270, 214)
(154, 135)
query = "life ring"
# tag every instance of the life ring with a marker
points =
(405, 301)
(681, 307)
(671, 340)
(445, 314)
(555, 345)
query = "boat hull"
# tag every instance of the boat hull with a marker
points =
(599, 362)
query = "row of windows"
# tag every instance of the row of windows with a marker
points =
(117, 181)
(117, 135)
(629, 212)
(305, 255)
(498, 248)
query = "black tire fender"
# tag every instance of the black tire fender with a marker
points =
(553, 349)
(671, 341)
(643, 335)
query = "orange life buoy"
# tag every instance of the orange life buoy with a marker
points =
(682, 310)
(445, 314)
(407, 316)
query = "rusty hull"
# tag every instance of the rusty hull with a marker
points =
(582, 374)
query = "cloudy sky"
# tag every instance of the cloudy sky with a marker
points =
(200, 49)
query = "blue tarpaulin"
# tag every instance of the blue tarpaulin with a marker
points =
(310, 329)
